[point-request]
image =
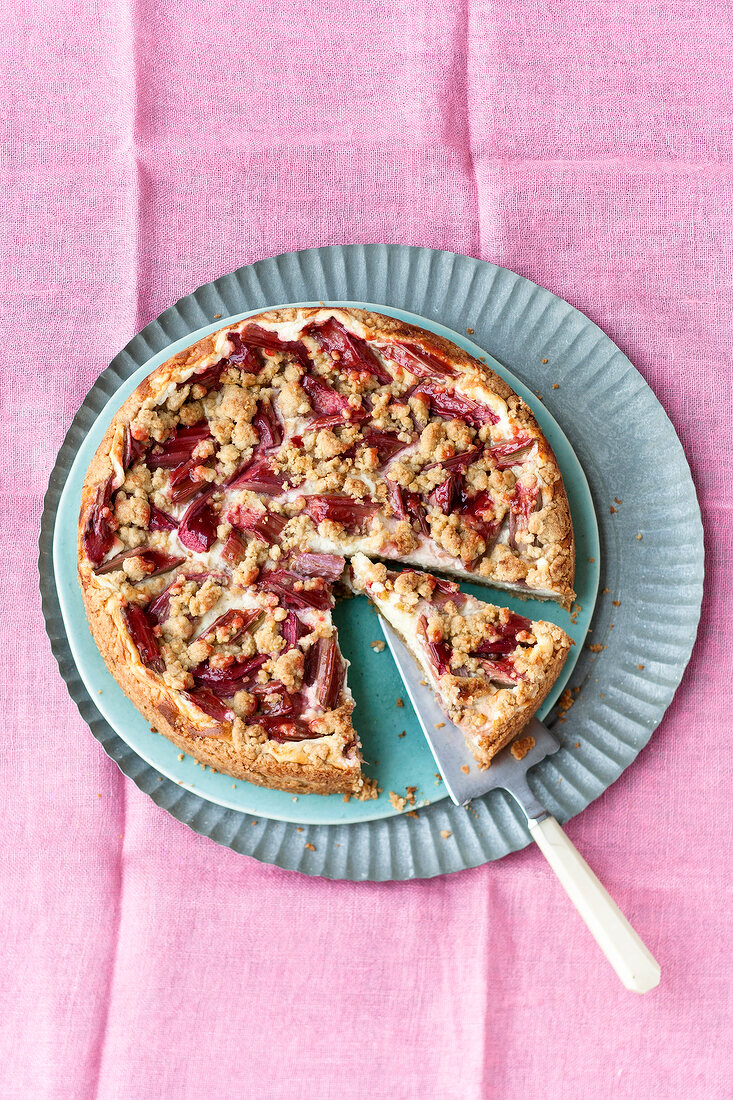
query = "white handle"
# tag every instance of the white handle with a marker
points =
(633, 962)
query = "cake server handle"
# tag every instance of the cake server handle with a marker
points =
(630, 958)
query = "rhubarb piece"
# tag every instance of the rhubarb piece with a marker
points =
(310, 664)
(242, 356)
(481, 505)
(259, 477)
(449, 405)
(186, 481)
(265, 526)
(511, 453)
(235, 549)
(396, 499)
(495, 647)
(254, 336)
(328, 566)
(154, 562)
(488, 529)
(348, 351)
(348, 512)
(292, 629)
(233, 624)
(226, 682)
(448, 496)
(158, 608)
(478, 513)
(387, 444)
(505, 637)
(210, 378)
(179, 448)
(206, 701)
(291, 591)
(415, 510)
(501, 672)
(448, 592)
(267, 425)
(333, 408)
(324, 398)
(262, 690)
(161, 521)
(407, 506)
(525, 500)
(289, 729)
(329, 672)
(133, 449)
(272, 712)
(337, 420)
(421, 363)
(100, 526)
(439, 652)
(140, 630)
(459, 462)
(197, 529)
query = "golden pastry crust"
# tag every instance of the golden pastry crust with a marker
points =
(326, 466)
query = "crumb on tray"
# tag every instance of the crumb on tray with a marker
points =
(521, 747)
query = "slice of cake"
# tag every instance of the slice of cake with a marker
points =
(489, 668)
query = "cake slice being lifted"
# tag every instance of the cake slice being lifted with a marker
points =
(489, 668)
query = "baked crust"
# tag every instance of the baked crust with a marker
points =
(540, 561)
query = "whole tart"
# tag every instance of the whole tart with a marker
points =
(223, 501)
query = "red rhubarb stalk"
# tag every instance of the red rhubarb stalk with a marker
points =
(348, 351)
(140, 630)
(154, 561)
(99, 529)
(421, 363)
(451, 406)
(328, 566)
(197, 529)
(345, 510)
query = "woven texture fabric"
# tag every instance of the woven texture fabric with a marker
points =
(149, 147)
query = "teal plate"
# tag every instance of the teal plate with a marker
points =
(659, 578)
(395, 762)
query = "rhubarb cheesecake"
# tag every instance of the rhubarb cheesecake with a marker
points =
(229, 491)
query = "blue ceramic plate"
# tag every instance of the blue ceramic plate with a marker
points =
(542, 340)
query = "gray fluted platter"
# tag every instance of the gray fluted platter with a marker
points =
(617, 429)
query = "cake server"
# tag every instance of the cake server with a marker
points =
(633, 962)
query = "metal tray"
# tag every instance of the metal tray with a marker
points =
(617, 428)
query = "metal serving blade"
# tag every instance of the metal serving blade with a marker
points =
(462, 776)
(631, 959)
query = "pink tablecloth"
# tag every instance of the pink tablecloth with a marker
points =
(149, 147)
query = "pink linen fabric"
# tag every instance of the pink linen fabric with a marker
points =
(149, 147)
